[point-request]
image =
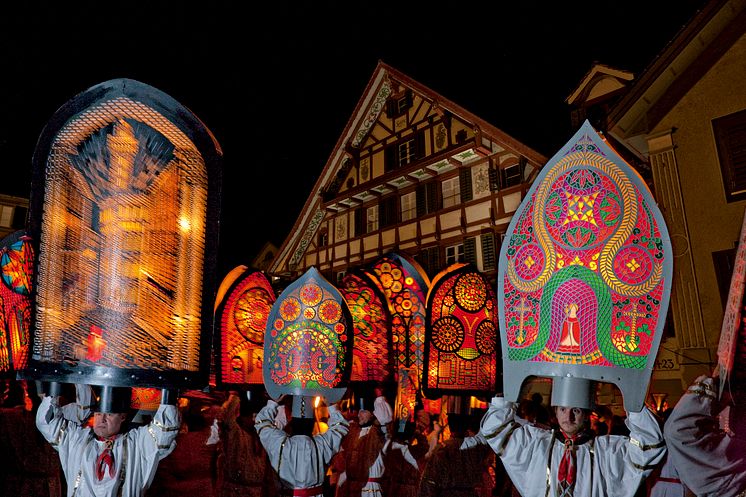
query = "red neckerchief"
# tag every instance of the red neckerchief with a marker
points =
(567, 470)
(106, 458)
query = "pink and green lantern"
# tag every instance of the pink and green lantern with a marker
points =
(585, 276)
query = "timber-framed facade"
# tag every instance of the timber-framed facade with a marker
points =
(412, 173)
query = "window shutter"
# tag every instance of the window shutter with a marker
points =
(387, 211)
(432, 196)
(494, 178)
(488, 252)
(359, 222)
(419, 143)
(410, 99)
(390, 161)
(421, 199)
(465, 184)
(390, 110)
(470, 250)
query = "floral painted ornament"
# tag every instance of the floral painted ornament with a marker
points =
(585, 273)
(308, 342)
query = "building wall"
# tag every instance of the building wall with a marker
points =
(713, 223)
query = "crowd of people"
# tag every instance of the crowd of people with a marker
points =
(228, 445)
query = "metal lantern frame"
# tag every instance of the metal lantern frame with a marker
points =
(135, 100)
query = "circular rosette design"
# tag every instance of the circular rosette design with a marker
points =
(330, 311)
(305, 355)
(486, 337)
(250, 314)
(633, 265)
(290, 309)
(582, 209)
(471, 292)
(529, 261)
(448, 334)
(311, 294)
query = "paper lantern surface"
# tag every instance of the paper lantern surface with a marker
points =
(125, 201)
(308, 343)
(461, 347)
(585, 273)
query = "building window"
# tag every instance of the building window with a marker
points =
(408, 206)
(403, 153)
(512, 175)
(340, 275)
(371, 219)
(407, 152)
(451, 192)
(730, 137)
(454, 254)
(323, 239)
(6, 216)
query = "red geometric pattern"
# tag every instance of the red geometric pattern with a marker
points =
(460, 345)
(17, 261)
(405, 286)
(242, 318)
(371, 357)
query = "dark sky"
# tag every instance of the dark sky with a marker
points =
(277, 82)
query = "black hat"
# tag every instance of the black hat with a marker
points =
(113, 399)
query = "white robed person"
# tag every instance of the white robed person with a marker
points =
(569, 460)
(105, 461)
(300, 458)
(583, 285)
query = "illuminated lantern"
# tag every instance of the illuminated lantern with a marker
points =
(242, 320)
(16, 266)
(371, 355)
(584, 277)
(461, 351)
(405, 285)
(125, 206)
(308, 343)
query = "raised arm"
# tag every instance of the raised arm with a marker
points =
(331, 439)
(271, 437)
(156, 440)
(709, 461)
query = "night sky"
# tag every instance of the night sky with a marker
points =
(277, 82)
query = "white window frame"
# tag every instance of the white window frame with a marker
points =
(454, 254)
(371, 217)
(408, 203)
(407, 151)
(451, 190)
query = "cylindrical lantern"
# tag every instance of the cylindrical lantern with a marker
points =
(125, 204)
(241, 320)
(16, 264)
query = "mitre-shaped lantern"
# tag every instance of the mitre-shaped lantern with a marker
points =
(372, 359)
(585, 277)
(125, 206)
(461, 348)
(241, 319)
(308, 343)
